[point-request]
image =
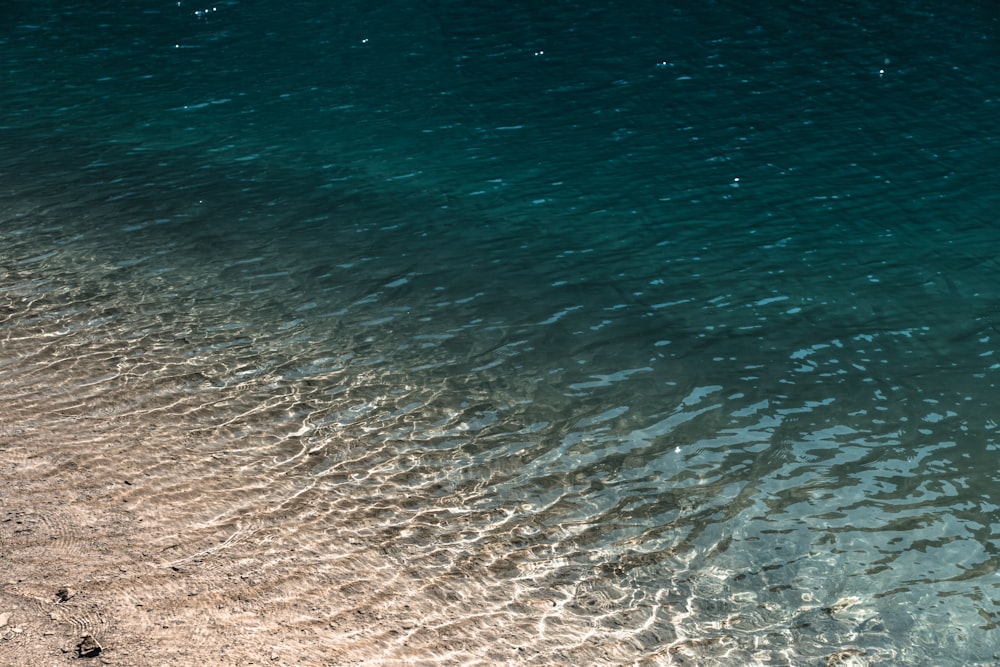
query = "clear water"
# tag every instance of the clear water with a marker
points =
(662, 334)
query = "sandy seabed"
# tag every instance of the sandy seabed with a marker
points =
(195, 473)
(105, 555)
(124, 544)
(155, 513)
(167, 500)
(186, 485)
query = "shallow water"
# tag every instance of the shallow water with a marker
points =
(662, 336)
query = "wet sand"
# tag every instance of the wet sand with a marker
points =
(171, 560)
(130, 540)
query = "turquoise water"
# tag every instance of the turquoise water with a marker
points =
(677, 323)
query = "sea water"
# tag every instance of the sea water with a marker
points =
(653, 332)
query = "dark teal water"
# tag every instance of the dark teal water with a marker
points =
(689, 309)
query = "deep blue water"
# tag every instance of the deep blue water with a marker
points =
(700, 297)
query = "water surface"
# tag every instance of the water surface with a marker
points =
(659, 335)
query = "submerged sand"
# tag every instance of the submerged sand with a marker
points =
(184, 484)
(170, 501)
(121, 544)
(196, 473)
(99, 543)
